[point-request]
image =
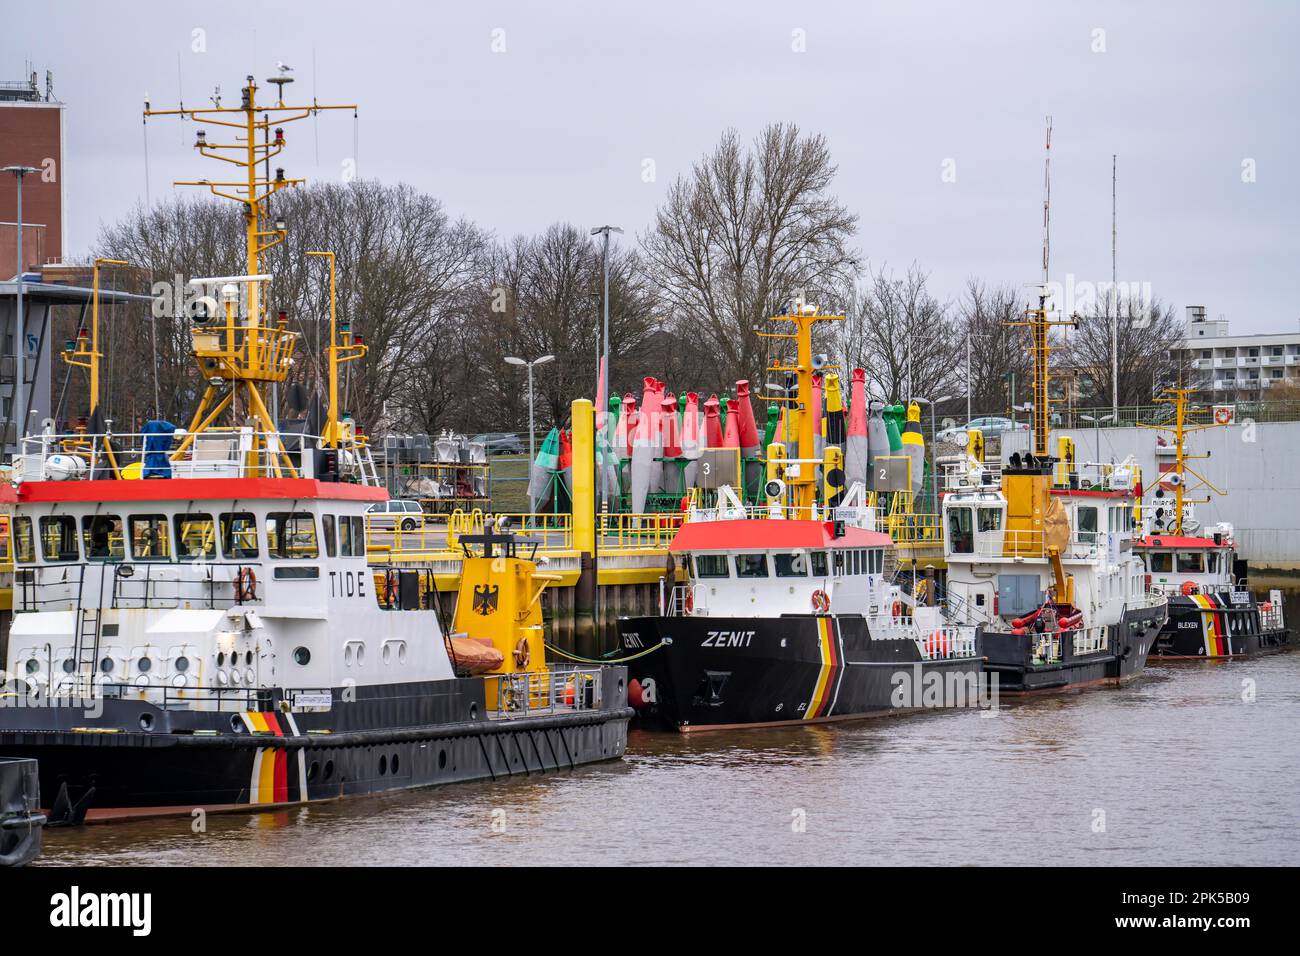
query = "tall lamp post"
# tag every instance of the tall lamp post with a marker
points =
(602, 414)
(934, 463)
(541, 360)
(19, 412)
(1096, 428)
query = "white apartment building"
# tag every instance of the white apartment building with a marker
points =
(1237, 367)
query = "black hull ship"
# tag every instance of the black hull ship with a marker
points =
(719, 672)
(198, 618)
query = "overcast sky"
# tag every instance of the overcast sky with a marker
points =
(559, 125)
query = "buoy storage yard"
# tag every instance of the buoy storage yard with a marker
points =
(557, 436)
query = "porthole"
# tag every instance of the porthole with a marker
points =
(401, 653)
(237, 723)
(313, 769)
(146, 722)
(33, 665)
(249, 677)
(383, 766)
(301, 656)
(361, 654)
(221, 659)
(178, 680)
(222, 679)
(442, 760)
(248, 658)
(393, 764)
(235, 677)
(69, 665)
(388, 654)
(329, 769)
(347, 656)
(473, 711)
(182, 664)
(145, 664)
(106, 665)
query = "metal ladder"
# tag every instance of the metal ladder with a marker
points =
(89, 624)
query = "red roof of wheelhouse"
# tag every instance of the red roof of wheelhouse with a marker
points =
(196, 489)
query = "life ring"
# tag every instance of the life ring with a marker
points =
(821, 601)
(1189, 588)
(245, 585)
(523, 654)
(1222, 415)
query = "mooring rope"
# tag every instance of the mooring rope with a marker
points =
(605, 660)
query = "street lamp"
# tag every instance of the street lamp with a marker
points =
(1096, 427)
(934, 441)
(602, 414)
(18, 413)
(542, 360)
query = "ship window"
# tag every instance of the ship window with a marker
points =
(345, 536)
(819, 568)
(150, 539)
(359, 536)
(790, 565)
(103, 537)
(196, 536)
(838, 561)
(24, 546)
(1191, 562)
(960, 538)
(239, 535)
(1160, 562)
(877, 561)
(751, 565)
(711, 566)
(4, 537)
(990, 519)
(59, 538)
(291, 534)
(327, 530)
(1087, 522)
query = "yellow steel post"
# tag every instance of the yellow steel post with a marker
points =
(584, 477)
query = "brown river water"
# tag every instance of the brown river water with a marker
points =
(1189, 764)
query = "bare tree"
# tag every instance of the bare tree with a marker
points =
(997, 347)
(1148, 332)
(903, 336)
(741, 236)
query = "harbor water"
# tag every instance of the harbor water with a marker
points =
(1189, 764)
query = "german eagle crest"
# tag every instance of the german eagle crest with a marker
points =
(485, 599)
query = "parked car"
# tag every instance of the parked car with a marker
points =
(991, 425)
(389, 515)
(500, 443)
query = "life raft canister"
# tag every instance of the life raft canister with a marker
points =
(821, 601)
(937, 643)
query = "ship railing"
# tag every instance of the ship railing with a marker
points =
(1046, 648)
(136, 584)
(683, 600)
(79, 688)
(1028, 543)
(1091, 640)
(213, 453)
(966, 475)
(1271, 616)
(559, 689)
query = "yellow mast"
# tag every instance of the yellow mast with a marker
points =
(78, 353)
(1180, 431)
(245, 352)
(350, 350)
(803, 483)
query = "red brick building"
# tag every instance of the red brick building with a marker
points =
(31, 134)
